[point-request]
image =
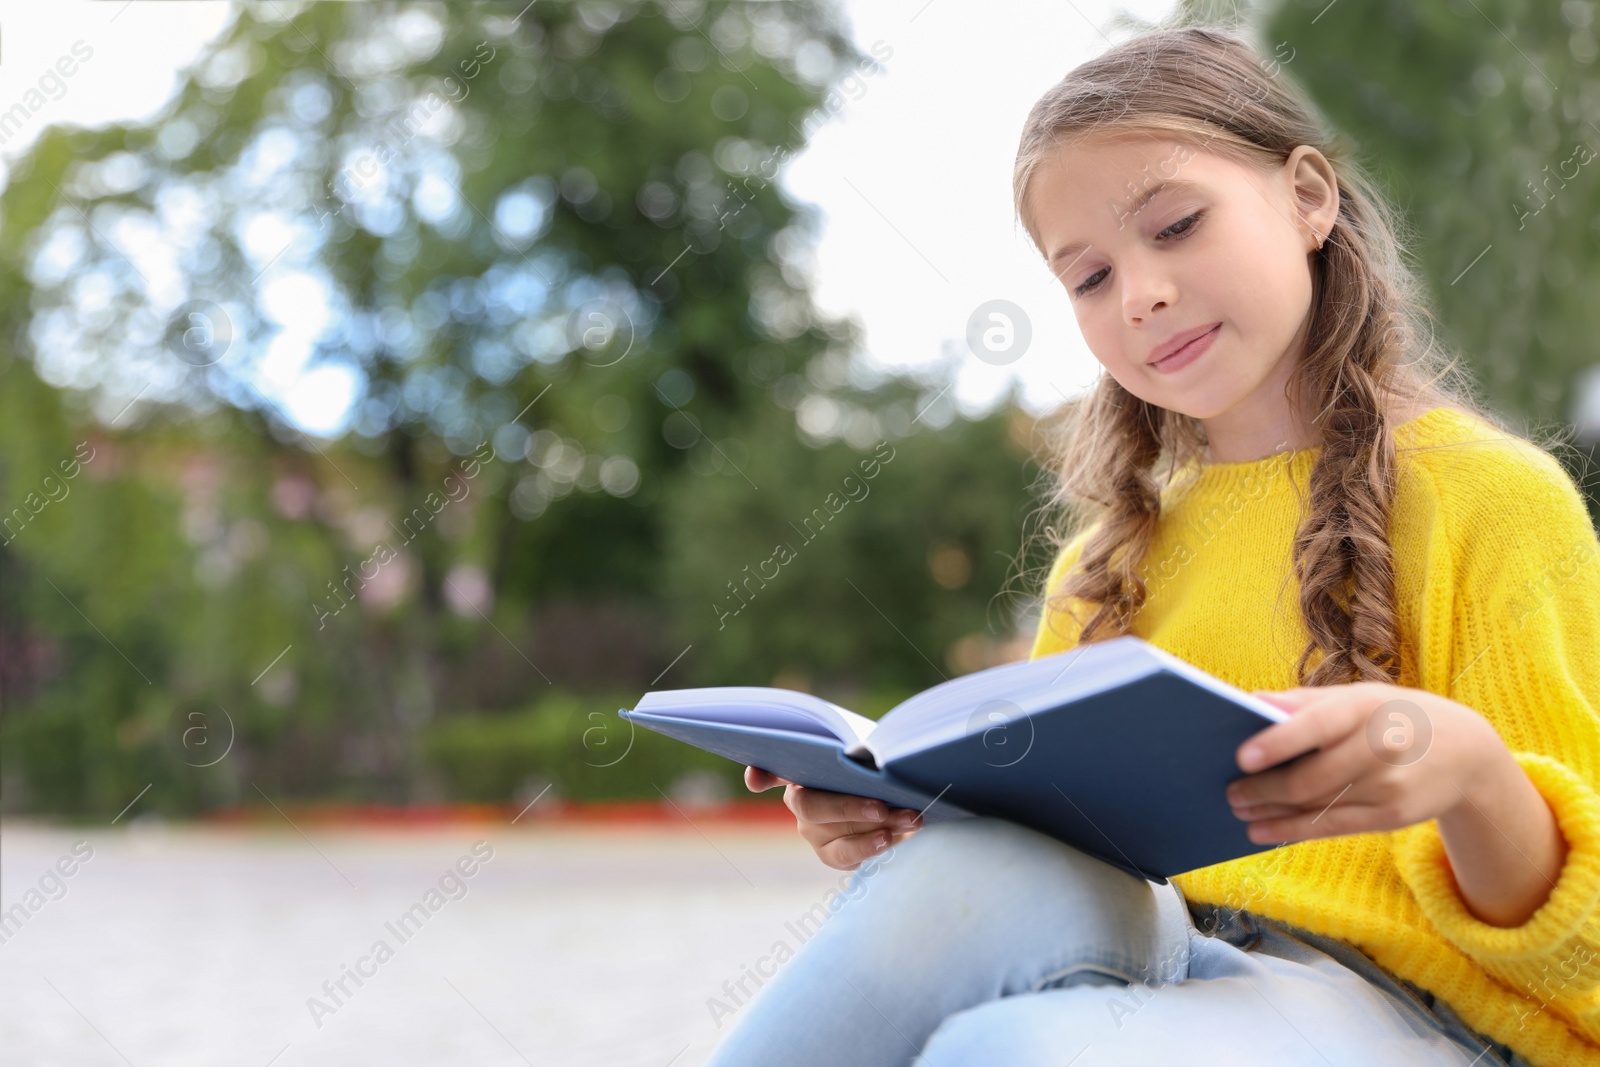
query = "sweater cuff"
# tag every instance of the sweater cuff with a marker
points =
(1564, 932)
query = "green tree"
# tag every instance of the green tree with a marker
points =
(549, 249)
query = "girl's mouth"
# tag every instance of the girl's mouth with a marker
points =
(1188, 353)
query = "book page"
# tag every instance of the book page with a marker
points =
(761, 706)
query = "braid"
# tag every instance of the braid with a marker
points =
(1109, 565)
(1342, 553)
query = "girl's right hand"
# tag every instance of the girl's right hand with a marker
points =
(844, 830)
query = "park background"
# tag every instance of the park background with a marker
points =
(414, 386)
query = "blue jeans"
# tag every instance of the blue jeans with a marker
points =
(980, 941)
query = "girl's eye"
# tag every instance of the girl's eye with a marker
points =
(1094, 280)
(1171, 233)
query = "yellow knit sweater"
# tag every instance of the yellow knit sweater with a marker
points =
(1497, 580)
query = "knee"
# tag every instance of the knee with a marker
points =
(992, 855)
(966, 1039)
(938, 862)
(983, 864)
(1009, 1030)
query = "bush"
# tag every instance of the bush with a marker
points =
(579, 743)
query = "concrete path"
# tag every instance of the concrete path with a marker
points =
(188, 946)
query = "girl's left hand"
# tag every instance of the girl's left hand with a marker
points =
(1389, 757)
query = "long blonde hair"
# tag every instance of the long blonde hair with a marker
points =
(1370, 354)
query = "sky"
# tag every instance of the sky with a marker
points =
(912, 177)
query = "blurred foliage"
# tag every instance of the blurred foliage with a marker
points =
(835, 567)
(550, 253)
(573, 744)
(577, 746)
(1479, 119)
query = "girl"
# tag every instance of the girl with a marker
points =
(1273, 483)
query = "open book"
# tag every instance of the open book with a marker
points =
(1117, 747)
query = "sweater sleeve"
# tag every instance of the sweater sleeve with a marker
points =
(1524, 652)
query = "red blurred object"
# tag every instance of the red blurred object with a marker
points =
(743, 812)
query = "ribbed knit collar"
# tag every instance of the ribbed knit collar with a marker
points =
(1198, 478)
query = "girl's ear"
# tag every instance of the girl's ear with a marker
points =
(1316, 191)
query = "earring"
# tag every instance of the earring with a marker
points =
(1320, 239)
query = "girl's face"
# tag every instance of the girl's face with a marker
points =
(1220, 251)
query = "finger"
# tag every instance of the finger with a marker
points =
(1295, 695)
(899, 822)
(1316, 810)
(756, 779)
(822, 806)
(1313, 780)
(1339, 820)
(1257, 812)
(1336, 787)
(1320, 721)
(848, 852)
(820, 835)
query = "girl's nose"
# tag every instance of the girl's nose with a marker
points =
(1145, 291)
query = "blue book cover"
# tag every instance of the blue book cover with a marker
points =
(1117, 748)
